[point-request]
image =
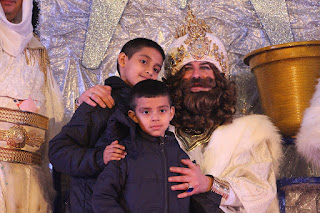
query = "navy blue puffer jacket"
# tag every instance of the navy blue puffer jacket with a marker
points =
(74, 150)
(139, 183)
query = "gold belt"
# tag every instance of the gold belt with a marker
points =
(19, 156)
(17, 137)
(24, 118)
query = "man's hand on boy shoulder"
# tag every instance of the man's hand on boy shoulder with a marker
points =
(114, 151)
(98, 94)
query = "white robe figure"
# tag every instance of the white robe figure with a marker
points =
(26, 84)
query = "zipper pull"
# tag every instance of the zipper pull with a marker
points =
(162, 143)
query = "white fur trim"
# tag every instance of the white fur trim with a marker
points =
(229, 150)
(308, 138)
(241, 135)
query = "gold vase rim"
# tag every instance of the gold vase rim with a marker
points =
(250, 55)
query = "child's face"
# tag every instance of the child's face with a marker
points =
(153, 115)
(144, 64)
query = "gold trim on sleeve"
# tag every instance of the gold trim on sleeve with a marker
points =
(221, 187)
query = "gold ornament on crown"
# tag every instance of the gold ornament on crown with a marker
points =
(194, 27)
(198, 45)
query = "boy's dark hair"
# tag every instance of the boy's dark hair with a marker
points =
(135, 45)
(148, 89)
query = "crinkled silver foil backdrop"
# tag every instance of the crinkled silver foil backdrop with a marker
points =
(63, 25)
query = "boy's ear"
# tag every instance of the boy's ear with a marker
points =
(172, 111)
(133, 116)
(122, 59)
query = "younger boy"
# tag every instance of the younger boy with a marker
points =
(139, 182)
(73, 151)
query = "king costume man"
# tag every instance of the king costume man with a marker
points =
(243, 154)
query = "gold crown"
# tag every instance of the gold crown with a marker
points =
(198, 45)
(194, 27)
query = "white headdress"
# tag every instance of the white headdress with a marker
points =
(195, 43)
(14, 37)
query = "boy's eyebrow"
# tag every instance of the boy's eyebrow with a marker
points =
(144, 108)
(162, 106)
(150, 58)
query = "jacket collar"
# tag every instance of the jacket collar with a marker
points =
(152, 138)
(115, 82)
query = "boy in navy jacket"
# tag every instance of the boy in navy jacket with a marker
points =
(139, 182)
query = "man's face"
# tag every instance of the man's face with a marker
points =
(144, 64)
(198, 71)
(11, 8)
(153, 114)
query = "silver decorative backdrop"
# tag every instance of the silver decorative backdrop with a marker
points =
(64, 23)
(243, 26)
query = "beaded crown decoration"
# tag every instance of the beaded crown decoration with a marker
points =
(194, 42)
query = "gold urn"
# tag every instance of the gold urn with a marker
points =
(286, 75)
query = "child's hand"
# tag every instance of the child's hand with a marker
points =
(114, 151)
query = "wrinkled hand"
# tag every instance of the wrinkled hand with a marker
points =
(97, 95)
(114, 151)
(191, 175)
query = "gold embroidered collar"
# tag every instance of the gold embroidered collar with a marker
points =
(192, 138)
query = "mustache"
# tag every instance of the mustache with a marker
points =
(199, 82)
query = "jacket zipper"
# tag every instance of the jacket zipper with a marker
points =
(164, 155)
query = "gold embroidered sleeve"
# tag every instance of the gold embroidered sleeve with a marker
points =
(221, 187)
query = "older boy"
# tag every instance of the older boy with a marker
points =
(139, 182)
(73, 150)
